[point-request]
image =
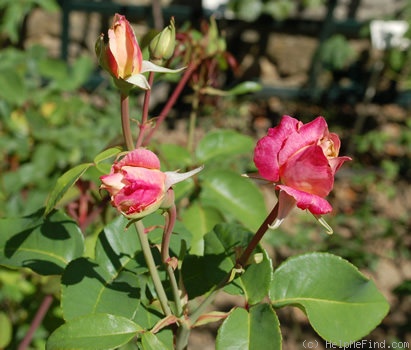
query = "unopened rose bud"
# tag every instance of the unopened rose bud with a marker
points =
(162, 46)
(138, 187)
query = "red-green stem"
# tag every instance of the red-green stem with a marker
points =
(173, 99)
(165, 256)
(168, 230)
(242, 260)
(125, 122)
(184, 330)
(144, 116)
(38, 318)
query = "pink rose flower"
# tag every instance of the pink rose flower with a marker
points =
(301, 159)
(122, 57)
(137, 186)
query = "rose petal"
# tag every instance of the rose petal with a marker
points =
(315, 204)
(306, 135)
(112, 183)
(144, 188)
(123, 52)
(267, 149)
(265, 158)
(335, 163)
(139, 157)
(308, 171)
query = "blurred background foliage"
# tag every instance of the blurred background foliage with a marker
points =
(55, 115)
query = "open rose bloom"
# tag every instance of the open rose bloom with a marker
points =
(122, 57)
(301, 160)
(137, 186)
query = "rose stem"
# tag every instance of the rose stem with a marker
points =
(125, 122)
(173, 99)
(145, 246)
(242, 260)
(38, 318)
(165, 243)
(144, 116)
(184, 330)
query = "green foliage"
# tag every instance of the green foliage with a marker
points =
(47, 125)
(13, 13)
(222, 144)
(5, 330)
(340, 303)
(45, 244)
(111, 279)
(64, 183)
(257, 328)
(337, 53)
(94, 331)
(235, 196)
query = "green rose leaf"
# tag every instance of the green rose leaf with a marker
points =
(234, 195)
(95, 331)
(201, 273)
(257, 278)
(223, 143)
(199, 220)
(64, 183)
(110, 283)
(254, 330)
(150, 341)
(341, 304)
(106, 154)
(45, 244)
(174, 156)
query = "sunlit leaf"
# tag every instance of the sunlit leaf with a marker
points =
(256, 329)
(235, 196)
(94, 331)
(110, 283)
(46, 244)
(223, 143)
(64, 183)
(341, 304)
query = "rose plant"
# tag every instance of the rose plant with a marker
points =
(179, 239)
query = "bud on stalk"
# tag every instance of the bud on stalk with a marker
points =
(162, 46)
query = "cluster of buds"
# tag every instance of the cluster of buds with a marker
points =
(122, 56)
